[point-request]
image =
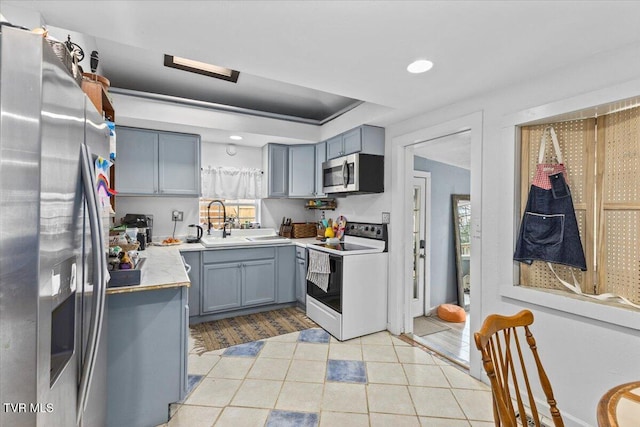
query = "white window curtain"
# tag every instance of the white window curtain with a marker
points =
(231, 183)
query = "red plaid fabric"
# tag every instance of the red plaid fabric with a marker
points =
(541, 178)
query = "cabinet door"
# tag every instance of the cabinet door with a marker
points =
(179, 164)
(334, 147)
(321, 157)
(193, 259)
(352, 141)
(301, 280)
(221, 287)
(137, 161)
(278, 165)
(285, 277)
(258, 282)
(301, 170)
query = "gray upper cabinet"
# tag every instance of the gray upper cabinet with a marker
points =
(275, 159)
(157, 163)
(321, 157)
(334, 147)
(365, 139)
(301, 171)
(136, 163)
(179, 164)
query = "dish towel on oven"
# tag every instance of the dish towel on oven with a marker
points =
(319, 269)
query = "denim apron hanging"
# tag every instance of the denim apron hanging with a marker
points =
(549, 229)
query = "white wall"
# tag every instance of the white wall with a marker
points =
(584, 357)
(215, 154)
(161, 209)
(271, 210)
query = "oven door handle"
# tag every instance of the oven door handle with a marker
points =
(345, 174)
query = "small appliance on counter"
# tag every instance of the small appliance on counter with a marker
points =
(195, 239)
(144, 224)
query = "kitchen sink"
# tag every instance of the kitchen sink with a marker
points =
(215, 242)
(263, 238)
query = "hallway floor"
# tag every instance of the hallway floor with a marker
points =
(453, 343)
(308, 378)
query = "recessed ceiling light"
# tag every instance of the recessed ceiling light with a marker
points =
(235, 137)
(201, 68)
(419, 66)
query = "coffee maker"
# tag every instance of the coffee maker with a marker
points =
(144, 224)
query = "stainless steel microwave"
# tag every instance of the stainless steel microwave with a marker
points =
(353, 174)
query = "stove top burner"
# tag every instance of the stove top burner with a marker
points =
(345, 247)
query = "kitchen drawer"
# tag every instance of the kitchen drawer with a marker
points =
(301, 252)
(232, 255)
(330, 320)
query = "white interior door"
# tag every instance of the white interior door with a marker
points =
(420, 237)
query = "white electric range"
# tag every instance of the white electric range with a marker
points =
(355, 302)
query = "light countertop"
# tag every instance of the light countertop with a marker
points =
(163, 268)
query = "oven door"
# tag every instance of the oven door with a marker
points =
(333, 297)
(340, 175)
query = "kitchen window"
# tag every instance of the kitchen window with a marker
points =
(239, 212)
(602, 158)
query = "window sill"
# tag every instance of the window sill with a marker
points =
(613, 313)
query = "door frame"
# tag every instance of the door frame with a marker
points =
(426, 224)
(399, 314)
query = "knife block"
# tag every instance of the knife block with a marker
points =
(285, 231)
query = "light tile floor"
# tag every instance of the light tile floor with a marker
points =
(308, 378)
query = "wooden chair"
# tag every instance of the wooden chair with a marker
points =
(503, 361)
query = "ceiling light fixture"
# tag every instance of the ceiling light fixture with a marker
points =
(235, 137)
(201, 68)
(419, 66)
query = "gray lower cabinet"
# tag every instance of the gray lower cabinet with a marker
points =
(238, 279)
(157, 163)
(258, 282)
(301, 281)
(193, 259)
(301, 275)
(222, 287)
(147, 355)
(235, 278)
(286, 276)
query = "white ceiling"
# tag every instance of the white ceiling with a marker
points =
(358, 49)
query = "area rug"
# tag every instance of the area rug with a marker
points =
(425, 326)
(232, 331)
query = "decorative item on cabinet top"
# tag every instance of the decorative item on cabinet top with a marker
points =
(324, 204)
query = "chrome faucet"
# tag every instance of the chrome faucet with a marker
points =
(224, 218)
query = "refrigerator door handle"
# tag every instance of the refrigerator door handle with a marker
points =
(99, 279)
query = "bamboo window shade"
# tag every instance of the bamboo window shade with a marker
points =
(602, 158)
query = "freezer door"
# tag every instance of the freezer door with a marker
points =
(94, 413)
(42, 131)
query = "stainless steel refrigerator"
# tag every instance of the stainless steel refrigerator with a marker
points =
(52, 242)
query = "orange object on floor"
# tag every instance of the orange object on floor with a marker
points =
(451, 313)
